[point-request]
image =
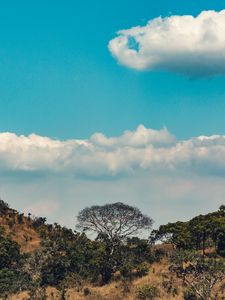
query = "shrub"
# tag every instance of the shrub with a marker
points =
(189, 294)
(12, 281)
(9, 253)
(159, 254)
(87, 291)
(142, 269)
(20, 218)
(147, 291)
(38, 294)
(4, 207)
(125, 286)
(221, 244)
(126, 270)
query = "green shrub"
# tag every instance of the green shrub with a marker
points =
(189, 294)
(12, 281)
(126, 270)
(159, 254)
(147, 291)
(221, 244)
(9, 253)
(4, 207)
(142, 269)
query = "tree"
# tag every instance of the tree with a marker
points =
(221, 244)
(222, 208)
(9, 253)
(201, 230)
(199, 233)
(115, 222)
(177, 234)
(12, 278)
(4, 207)
(198, 272)
(38, 222)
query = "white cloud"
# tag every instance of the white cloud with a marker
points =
(183, 44)
(167, 178)
(143, 149)
(139, 138)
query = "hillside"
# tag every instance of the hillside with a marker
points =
(115, 290)
(170, 287)
(44, 261)
(19, 228)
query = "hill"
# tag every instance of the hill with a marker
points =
(46, 261)
(19, 228)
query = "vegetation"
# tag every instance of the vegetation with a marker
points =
(147, 291)
(189, 294)
(198, 272)
(113, 223)
(199, 233)
(64, 259)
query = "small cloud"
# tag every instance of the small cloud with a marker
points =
(194, 46)
(141, 137)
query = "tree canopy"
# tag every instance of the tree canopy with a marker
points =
(199, 233)
(116, 221)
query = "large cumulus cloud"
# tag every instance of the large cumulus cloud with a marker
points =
(143, 149)
(183, 44)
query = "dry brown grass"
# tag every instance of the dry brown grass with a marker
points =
(23, 234)
(158, 275)
(29, 240)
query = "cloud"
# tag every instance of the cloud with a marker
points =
(144, 149)
(139, 138)
(194, 46)
(168, 179)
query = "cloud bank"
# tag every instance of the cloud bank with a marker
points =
(143, 149)
(194, 46)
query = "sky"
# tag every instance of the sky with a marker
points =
(106, 101)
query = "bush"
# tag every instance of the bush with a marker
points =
(168, 286)
(221, 244)
(38, 294)
(125, 286)
(9, 253)
(159, 254)
(189, 294)
(4, 207)
(126, 270)
(12, 281)
(142, 269)
(147, 291)
(87, 291)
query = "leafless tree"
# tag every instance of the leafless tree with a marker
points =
(200, 273)
(116, 221)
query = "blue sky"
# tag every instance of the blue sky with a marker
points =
(59, 79)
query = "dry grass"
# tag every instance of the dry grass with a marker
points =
(22, 233)
(158, 275)
(29, 240)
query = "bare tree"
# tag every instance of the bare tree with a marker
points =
(116, 221)
(199, 273)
